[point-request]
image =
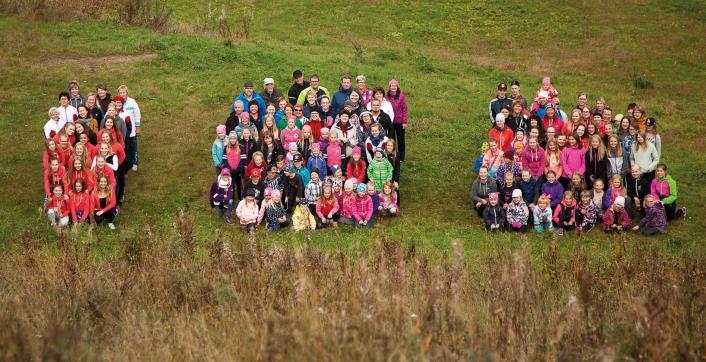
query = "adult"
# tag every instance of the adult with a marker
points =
(582, 101)
(269, 94)
(515, 94)
(381, 117)
(552, 119)
(131, 109)
(645, 155)
(399, 107)
(385, 105)
(501, 133)
(481, 189)
(517, 118)
(67, 112)
(54, 124)
(314, 86)
(366, 95)
(103, 97)
(499, 102)
(75, 97)
(248, 94)
(344, 92)
(298, 87)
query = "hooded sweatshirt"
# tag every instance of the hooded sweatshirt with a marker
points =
(480, 190)
(380, 171)
(594, 166)
(399, 107)
(610, 218)
(573, 160)
(665, 189)
(494, 215)
(534, 161)
(502, 136)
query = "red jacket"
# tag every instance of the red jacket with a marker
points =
(105, 171)
(251, 167)
(609, 219)
(328, 206)
(119, 151)
(363, 208)
(80, 202)
(555, 122)
(72, 139)
(96, 205)
(503, 137)
(46, 157)
(72, 176)
(62, 204)
(114, 134)
(65, 155)
(357, 172)
(53, 178)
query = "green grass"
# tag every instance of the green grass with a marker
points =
(448, 58)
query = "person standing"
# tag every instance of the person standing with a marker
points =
(296, 89)
(269, 94)
(399, 106)
(498, 103)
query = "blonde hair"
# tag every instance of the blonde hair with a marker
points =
(601, 148)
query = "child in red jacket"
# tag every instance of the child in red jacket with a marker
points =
(616, 218)
(356, 167)
(564, 214)
(58, 207)
(80, 202)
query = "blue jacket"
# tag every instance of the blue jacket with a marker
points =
(246, 101)
(217, 151)
(339, 99)
(529, 191)
(376, 203)
(317, 162)
(303, 172)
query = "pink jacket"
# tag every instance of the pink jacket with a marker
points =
(534, 161)
(573, 159)
(348, 209)
(493, 161)
(363, 208)
(247, 213)
(333, 154)
(289, 136)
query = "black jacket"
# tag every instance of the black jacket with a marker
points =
(496, 105)
(293, 188)
(594, 167)
(271, 98)
(494, 215)
(386, 123)
(295, 90)
(637, 187)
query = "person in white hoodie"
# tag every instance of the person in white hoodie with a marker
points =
(131, 109)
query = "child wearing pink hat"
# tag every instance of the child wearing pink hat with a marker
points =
(217, 149)
(494, 215)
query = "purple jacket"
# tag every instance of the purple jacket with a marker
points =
(399, 106)
(654, 217)
(555, 191)
(574, 160)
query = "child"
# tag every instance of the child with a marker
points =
(380, 169)
(104, 202)
(316, 161)
(553, 189)
(363, 207)
(543, 215)
(615, 190)
(572, 159)
(54, 175)
(306, 139)
(517, 213)
(586, 213)
(510, 167)
(58, 207)
(564, 213)
(577, 185)
(493, 158)
(248, 212)
(665, 188)
(595, 161)
(334, 151)
(275, 213)
(598, 198)
(356, 167)
(80, 202)
(257, 186)
(479, 160)
(312, 192)
(388, 201)
(327, 208)
(534, 158)
(348, 203)
(374, 141)
(507, 190)
(494, 214)
(324, 140)
(292, 150)
(374, 196)
(222, 195)
(616, 218)
(219, 145)
(655, 221)
(528, 186)
(638, 187)
(303, 219)
(291, 133)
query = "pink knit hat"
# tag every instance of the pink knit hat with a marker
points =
(356, 151)
(546, 81)
(493, 196)
(221, 129)
(244, 116)
(393, 82)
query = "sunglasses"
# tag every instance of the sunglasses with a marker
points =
(297, 110)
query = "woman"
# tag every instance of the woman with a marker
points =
(385, 105)
(270, 147)
(94, 109)
(639, 118)
(481, 189)
(517, 119)
(101, 167)
(645, 155)
(399, 108)
(83, 128)
(109, 127)
(573, 159)
(104, 203)
(347, 135)
(254, 113)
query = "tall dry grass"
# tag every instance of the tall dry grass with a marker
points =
(175, 298)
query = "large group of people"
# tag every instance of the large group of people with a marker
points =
(310, 159)
(90, 146)
(546, 169)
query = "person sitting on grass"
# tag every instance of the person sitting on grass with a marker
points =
(564, 213)
(363, 207)
(275, 213)
(248, 212)
(665, 188)
(586, 213)
(654, 222)
(616, 218)
(222, 195)
(517, 213)
(57, 207)
(303, 219)
(388, 200)
(494, 214)
(542, 215)
(327, 207)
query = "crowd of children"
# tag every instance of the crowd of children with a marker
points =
(310, 159)
(545, 168)
(90, 145)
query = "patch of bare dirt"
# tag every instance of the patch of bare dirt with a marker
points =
(111, 59)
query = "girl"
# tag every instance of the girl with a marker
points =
(104, 203)
(291, 133)
(586, 214)
(115, 148)
(399, 115)
(616, 189)
(652, 135)
(510, 167)
(101, 167)
(315, 124)
(598, 198)
(534, 159)
(374, 196)
(53, 175)
(654, 221)
(665, 188)
(348, 203)
(77, 172)
(506, 190)
(564, 213)
(248, 145)
(58, 207)
(306, 139)
(221, 195)
(257, 163)
(356, 166)
(233, 162)
(275, 213)
(50, 151)
(88, 138)
(616, 218)
(302, 218)
(81, 154)
(82, 126)
(270, 148)
(85, 117)
(553, 189)
(379, 170)
(577, 185)
(111, 160)
(573, 160)
(572, 122)
(64, 149)
(69, 130)
(94, 110)
(334, 152)
(482, 187)
(374, 142)
(547, 86)
(388, 200)
(248, 212)
(217, 149)
(645, 155)
(616, 158)
(595, 161)
(553, 159)
(494, 214)
(624, 128)
(639, 118)
(327, 207)
(517, 213)
(363, 207)
(109, 127)
(80, 202)
(316, 161)
(270, 127)
(542, 215)
(493, 158)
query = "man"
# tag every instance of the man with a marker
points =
(234, 118)
(296, 89)
(340, 97)
(103, 97)
(270, 94)
(515, 94)
(248, 95)
(381, 117)
(320, 91)
(75, 98)
(497, 103)
(67, 112)
(366, 95)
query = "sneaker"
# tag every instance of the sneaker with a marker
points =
(134, 168)
(228, 220)
(539, 228)
(680, 213)
(560, 231)
(111, 226)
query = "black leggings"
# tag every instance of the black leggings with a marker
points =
(399, 138)
(107, 217)
(670, 210)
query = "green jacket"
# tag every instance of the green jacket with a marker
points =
(380, 171)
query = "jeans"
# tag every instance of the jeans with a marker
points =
(277, 226)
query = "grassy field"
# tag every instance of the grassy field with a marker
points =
(448, 58)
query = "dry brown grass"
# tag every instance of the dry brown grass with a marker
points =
(172, 299)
